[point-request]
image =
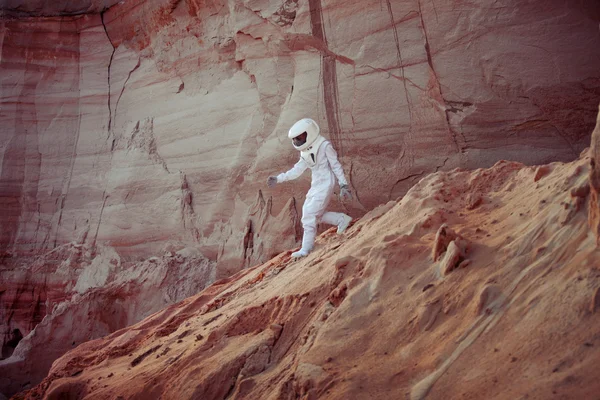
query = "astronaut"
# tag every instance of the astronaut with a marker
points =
(318, 154)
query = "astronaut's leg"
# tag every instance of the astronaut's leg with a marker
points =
(312, 210)
(338, 219)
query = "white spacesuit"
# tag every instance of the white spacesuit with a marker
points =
(319, 155)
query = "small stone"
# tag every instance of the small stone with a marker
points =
(541, 172)
(277, 329)
(428, 286)
(473, 201)
(451, 259)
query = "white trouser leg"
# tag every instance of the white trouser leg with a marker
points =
(308, 238)
(333, 218)
(312, 210)
(309, 224)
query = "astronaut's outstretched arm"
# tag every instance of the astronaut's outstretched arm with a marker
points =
(293, 173)
(336, 167)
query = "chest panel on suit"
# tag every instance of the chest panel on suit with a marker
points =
(311, 155)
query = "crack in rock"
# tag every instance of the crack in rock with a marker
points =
(109, 67)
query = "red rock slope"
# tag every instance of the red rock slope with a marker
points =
(477, 284)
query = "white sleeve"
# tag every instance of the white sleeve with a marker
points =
(293, 173)
(336, 167)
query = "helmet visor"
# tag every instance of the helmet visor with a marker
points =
(300, 139)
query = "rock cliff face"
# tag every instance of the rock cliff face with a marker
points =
(157, 121)
(146, 128)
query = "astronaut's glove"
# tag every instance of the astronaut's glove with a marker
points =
(345, 193)
(272, 181)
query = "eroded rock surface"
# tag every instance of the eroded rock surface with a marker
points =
(69, 296)
(367, 315)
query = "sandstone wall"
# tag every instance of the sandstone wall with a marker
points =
(155, 123)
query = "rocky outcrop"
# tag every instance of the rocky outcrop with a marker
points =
(368, 315)
(594, 210)
(104, 113)
(69, 297)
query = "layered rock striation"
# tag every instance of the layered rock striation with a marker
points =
(67, 298)
(156, 122)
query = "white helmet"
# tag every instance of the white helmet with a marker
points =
(303, 133)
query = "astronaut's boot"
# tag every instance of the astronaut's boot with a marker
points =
(343, 225)
(308, 242)
(300, 253)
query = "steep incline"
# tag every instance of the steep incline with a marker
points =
(480, 283)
